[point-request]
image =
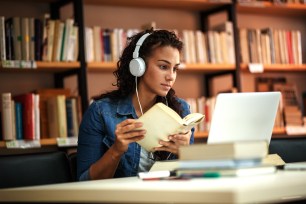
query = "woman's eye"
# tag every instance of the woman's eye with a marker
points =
(163, 66)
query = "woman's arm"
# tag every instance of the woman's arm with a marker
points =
(126, 133)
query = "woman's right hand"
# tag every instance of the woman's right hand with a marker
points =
(126, 132)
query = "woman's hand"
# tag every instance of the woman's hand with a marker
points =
(175, 141)
(126, 133)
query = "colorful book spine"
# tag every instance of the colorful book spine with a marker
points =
(18, 118)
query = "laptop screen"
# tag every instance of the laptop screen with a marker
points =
(244, 117)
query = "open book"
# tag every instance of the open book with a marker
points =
(160, 121)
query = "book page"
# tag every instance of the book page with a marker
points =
(165, 165)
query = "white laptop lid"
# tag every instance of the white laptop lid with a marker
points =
(243, 117)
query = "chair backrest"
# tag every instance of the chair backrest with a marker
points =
(290, 150)
(73, 165)
(34, 169)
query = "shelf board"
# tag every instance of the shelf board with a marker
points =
(269, 8)
(43, 142)
(279, 68)
(45, 67)
(277, 133)
(111, 66)
(164, 4)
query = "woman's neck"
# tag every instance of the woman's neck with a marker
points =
(146, 102)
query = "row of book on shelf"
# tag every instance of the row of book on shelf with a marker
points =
(270, 46)
(26, 39)
(234, 159)
(45, 113)
(290, 107)
(289, 113)
(214, 46)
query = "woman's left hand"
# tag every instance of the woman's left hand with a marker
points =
(175, 141)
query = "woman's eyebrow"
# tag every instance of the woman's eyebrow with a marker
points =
(166, 61)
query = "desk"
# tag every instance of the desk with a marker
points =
(279, 187)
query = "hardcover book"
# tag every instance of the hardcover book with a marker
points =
(231, 150)
(161, 121)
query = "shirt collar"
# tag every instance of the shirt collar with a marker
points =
(125, 107)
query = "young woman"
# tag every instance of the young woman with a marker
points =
(107, 145)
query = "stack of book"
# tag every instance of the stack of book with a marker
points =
(215, 160)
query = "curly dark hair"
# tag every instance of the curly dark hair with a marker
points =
(126, 81)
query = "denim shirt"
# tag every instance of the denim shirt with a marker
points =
(97, 135)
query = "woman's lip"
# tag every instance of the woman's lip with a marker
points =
(166, 85)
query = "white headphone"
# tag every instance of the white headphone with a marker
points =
(137, 64)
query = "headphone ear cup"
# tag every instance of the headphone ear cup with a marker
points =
(137, 67)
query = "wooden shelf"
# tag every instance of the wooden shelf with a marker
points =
(43, 142)
(279, 68)
(269, 8)
(164, 4)
(277, 133)
(111, 66)
(45, 67)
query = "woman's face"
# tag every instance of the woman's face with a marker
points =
(161, 71)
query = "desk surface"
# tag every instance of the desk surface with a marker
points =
(284, 185)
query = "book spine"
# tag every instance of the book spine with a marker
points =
(18, 118)
(38, 39)
(17, 38)
(36, 116)
(7, 122)
(2, 39)
(70, 130)
(25, 39)
(28, 115)
(9, 46)
(31, 39)
(62, 115)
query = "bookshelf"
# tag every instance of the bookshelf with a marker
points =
(286, 17)
(278, 68)
(41, 74)
(196, 68)
(198, 9)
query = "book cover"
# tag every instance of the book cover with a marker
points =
(7, 120)
(2, 39)
(57, 116)
(44, 95)
(233, 150)
(28, 114)
(9, 42)
(72, 118)
(18, 118)
(161, 121)
(173, 165)
(17, 38)
(25, 39)
(38, 39)
(230, 172)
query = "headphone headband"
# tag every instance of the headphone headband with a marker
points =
(138, 45)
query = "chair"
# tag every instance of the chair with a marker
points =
(290, 150)
(34, 169)
(73, 165)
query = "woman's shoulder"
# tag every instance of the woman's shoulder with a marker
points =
(102, 104)
(183, 103)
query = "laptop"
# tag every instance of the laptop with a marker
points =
(243, 117)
